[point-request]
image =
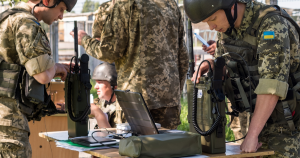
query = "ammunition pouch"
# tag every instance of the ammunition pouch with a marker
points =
(34, 102)
(238, 83)
(32, 98)
(9, 74)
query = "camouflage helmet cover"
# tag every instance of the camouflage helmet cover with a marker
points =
(105, 72)
(199, 10)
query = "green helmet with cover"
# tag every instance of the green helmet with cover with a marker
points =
(199, 10)
(106, 72)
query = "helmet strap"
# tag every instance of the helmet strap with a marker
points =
(231, 19)
(41, 4)
(112, 95)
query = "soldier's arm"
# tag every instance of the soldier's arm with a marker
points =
(182, 54)
(34, 51)
(274, 68)
(265, 104)
(58, 70)
(100, 116)
(203, 69)
(100, 18)
(114, 38)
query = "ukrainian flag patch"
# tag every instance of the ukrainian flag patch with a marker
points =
(268, 35)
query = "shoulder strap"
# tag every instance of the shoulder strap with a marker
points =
(266, 12)
(8, 12)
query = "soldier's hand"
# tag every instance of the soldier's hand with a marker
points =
(68, 64)
(211, 49)
(198, 77)
(81, 34)
(61, 71)
(250, 144)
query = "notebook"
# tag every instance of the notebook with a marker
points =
(89, 141)
(137, 113)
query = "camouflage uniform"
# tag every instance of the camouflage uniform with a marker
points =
(145, 39)
(277, 59)
(100, 18)
(114, 112)
(25, 43)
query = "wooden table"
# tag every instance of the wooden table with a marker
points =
(41, 147)
(232, 149)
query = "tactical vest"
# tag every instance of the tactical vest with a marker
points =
(243, 79)
(15, 82)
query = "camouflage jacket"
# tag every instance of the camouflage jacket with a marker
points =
(100, 18)
(277, 58)
(113, 110)
(145, 39)
(23, 42)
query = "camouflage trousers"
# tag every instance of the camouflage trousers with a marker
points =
(14, 143)
(168, 117)
(281, 141)
(240, 125)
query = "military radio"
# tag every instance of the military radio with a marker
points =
(206, 103)
(77, 93)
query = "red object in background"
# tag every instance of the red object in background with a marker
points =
(293, 113)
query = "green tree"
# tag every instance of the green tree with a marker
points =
(90, 6)
(10, 1)
(97, 4)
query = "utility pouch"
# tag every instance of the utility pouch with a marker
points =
(34, 102)
(161, 145)
(290, 99)
(283, 111)
(9, 74)
(34, 91)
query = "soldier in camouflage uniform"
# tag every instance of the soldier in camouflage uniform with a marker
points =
(145, 39)
(277, 60)
(24, 42)
(100, 18)
(105, 109)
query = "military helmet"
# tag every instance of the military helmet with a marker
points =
(199, 10)
(69, 4)
(105, 72)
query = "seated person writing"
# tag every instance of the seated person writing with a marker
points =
(105, 109)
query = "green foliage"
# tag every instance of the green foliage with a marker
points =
(184, 126)
(89, 6)
(93, 90)
(97, 4)
(10, 1)
(229, 136)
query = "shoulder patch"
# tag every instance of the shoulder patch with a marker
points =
(268, 35)
(45, 42)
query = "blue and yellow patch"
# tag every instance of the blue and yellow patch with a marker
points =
(268, 35)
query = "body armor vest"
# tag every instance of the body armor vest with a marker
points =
(243, 76)
(15, 82)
